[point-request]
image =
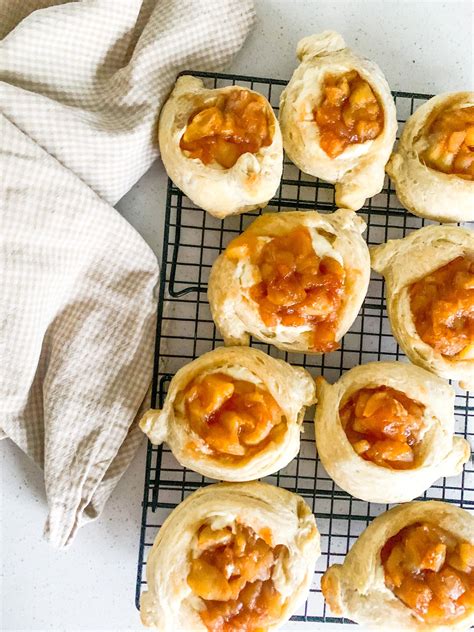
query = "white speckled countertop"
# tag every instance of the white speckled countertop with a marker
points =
(424, 46)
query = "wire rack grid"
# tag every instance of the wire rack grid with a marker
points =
(185, 330)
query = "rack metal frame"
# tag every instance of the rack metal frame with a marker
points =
(185, 330)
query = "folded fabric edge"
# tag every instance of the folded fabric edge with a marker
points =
(63, 522)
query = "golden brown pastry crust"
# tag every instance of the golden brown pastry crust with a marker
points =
(238, 318)
(440, 453)
(292, 388)
(246, 186)
(405, 261)
(424, 191)
(360, 170)
(359, 586)
(169, 604)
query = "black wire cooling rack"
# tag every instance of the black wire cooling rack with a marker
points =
(192, 241)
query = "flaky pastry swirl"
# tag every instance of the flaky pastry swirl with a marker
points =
(358, 171)
(405, 261)
(424, 191)
(292, 388)
(336, 235)
(249, 184)
(358, 587)
(439, 452)
(169, 603)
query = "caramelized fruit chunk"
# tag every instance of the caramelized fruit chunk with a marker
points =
(297, 287)
(232, 574)
(349, 113)
(234, 417)
(451, 143)
(383, 426)
(238, 123)
(418, 566)
(442, 305)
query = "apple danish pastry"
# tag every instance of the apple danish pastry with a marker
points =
(338, 118)
(411, 569)
(433, 165)
(234, 414)
(231, 557)
(221, 147)
(293, 279)
(384, 431)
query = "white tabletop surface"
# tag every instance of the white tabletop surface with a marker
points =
(421, 46)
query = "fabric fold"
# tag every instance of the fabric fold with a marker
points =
(81, 87)
(77, 326)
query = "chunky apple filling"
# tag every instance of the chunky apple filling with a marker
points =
(384, 426)
(232, 574)
(450, 140)
(430, 571)
(442, 304)
(236, 418)
(238, 123)
(297, 287)
(349, 113)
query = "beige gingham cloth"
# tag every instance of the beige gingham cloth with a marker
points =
(81, 87)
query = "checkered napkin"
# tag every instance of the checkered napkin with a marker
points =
(81, 87)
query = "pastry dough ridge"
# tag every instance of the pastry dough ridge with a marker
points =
(169, 603)
(360, 170)
(246, 186)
